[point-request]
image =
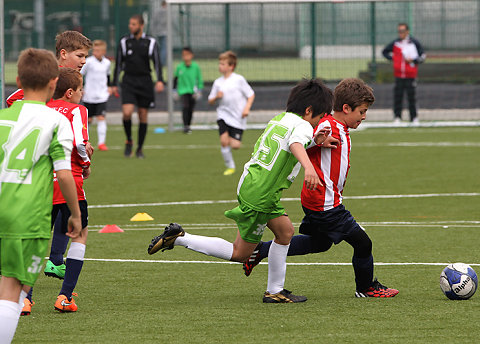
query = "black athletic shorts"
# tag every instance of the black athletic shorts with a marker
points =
(138, 90)
(337, 223)
(96, 109)
(234, 133)
(65, 214)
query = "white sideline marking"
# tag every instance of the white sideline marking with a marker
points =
(295, 199)
(262, 263)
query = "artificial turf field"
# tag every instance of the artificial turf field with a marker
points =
(415, 190)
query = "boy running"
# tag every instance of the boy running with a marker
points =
(235, 100)
(326, 220)
(277, 158)
(34, 140)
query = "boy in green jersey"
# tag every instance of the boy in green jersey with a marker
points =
(276, 160)
(33, 139)
(188, 83)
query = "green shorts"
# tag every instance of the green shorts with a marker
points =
(252, 223)
(22, 258)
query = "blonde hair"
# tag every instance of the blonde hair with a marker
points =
(71, 41)
(36, 68)
(230, 57)
(100, 43)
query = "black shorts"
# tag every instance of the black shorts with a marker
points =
(96, 109)
(138, 90)
(337, 223)
(65, 214)
(234, 133)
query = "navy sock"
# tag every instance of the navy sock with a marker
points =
(59, 243)
(299, 245)
(363, 268)
(74, 267)
(29, 295)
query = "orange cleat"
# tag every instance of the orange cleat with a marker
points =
(27, 307)
(102, 147)
(64, 305)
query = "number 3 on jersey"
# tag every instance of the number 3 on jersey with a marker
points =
(270, 145)
(21, 157)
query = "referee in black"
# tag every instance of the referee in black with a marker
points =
(134, 52)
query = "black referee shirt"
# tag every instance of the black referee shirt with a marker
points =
(133, 57)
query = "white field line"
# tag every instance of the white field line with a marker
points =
(263, 263)
(294, 199)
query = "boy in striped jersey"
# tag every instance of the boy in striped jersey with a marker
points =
(33, 139)
(326, 220)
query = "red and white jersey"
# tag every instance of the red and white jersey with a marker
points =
(17, 95)
(78, 117)
(332, 167)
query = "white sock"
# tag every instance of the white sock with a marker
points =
(210, 246)
(76, 251)
(228, 157)
(277, 267)
(23, 295)
(9, 315)
(102, 131)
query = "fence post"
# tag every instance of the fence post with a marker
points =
(373, 37)
(313, 31)
(227, 26)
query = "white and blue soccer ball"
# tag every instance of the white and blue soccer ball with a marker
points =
(458, 281)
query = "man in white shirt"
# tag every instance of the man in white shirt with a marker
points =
(235, 100)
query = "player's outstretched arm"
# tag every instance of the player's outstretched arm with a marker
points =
(311, 177)
(69, 192)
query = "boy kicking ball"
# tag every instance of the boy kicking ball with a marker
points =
(277, 159)
(326, 220)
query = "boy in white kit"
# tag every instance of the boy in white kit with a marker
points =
(235, 100)
(97, 89)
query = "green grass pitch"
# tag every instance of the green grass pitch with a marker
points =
(127, 296)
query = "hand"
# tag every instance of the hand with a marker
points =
(86, 172)
(197, 95)
(175, 96)
(115, 91)
(74, 227)
(311, 179)
(110, 90)
(89, 149)
(330, 142)
(321, 135)
(219, 95)
(159, 86)
(245, 113)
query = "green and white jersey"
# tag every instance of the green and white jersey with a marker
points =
(34, 139)
(272, 166)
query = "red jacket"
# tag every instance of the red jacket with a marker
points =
(399, 51)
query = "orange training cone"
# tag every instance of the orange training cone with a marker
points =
(111, 229)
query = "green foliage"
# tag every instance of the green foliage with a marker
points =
(152, 302)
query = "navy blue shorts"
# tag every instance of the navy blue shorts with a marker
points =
(336, 224)
(234, 133)
(65, 214)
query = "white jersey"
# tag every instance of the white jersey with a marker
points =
(235, 90)
(96, 80)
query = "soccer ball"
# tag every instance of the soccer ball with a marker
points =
(458, 281)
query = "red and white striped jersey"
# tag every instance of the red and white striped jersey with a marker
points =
(332, 167)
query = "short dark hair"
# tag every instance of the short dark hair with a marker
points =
(36, 68)
(67, 78)
(353, 92)
(404, 24)
(310, 92)
(187, 48)
(139, 18)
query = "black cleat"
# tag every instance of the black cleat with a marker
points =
(139, 154)
(252, 261)
(165, 240)
(285, 296)
(128, 149)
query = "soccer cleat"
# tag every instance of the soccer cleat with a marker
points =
(165, 240)
(63, 304)
(377, 290)
(285, 296)
(52, 270)
(128, 149)
(229, 172)
(139, 154)
(102, 147)
(252, 261)
(27, 307)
